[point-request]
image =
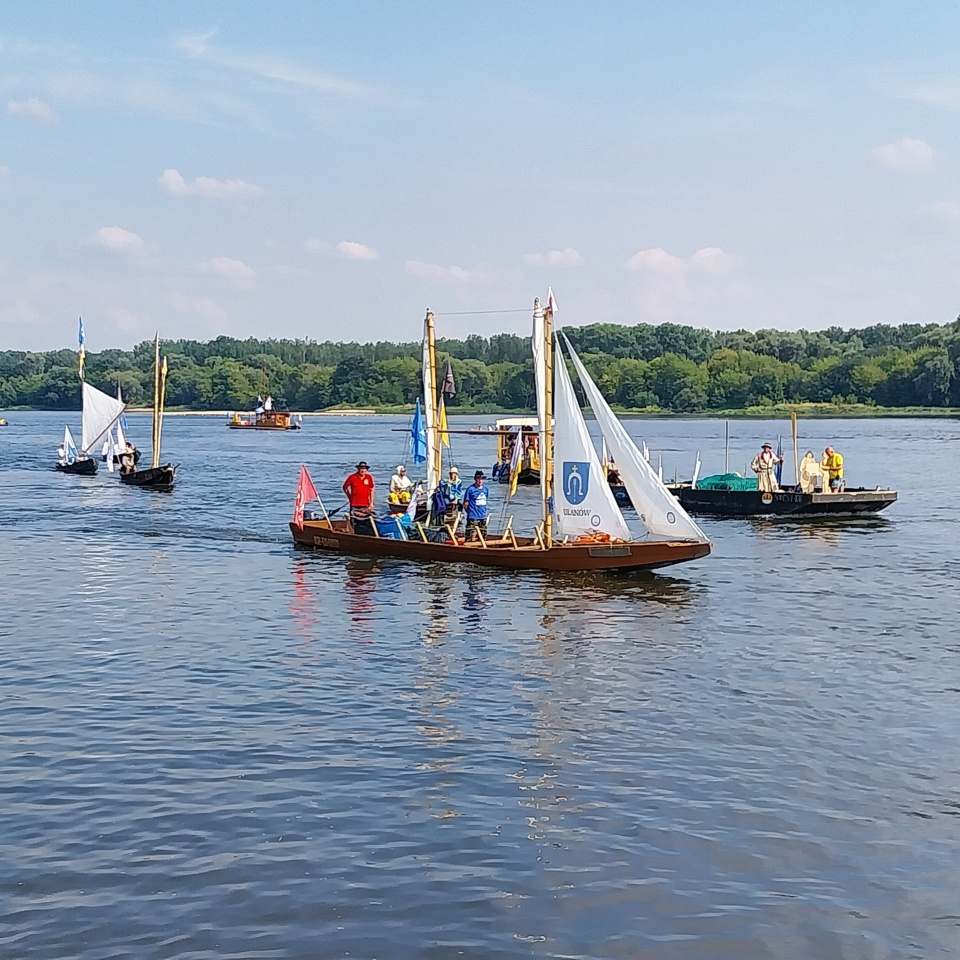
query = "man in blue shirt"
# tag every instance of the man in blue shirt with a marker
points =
(475, 505)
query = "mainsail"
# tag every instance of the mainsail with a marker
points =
(659, 510)
(583, 501)
(69, 447)
(100, 411)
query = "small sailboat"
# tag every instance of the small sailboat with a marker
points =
(581, 528)
(157, 475)
(100, 412)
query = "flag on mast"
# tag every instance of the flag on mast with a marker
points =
(81, 350)
(516, 458)
(442, 423)
(305, 491)
(447, 387)
(778, 469)
(418, 435)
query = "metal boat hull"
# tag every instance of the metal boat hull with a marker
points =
(752, 503)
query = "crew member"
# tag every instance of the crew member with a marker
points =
(831, 463)
(475, 504)
(400, 486)
(359, 490)
(809, 471)
(762, 465)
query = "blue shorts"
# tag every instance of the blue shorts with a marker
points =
(836, 483)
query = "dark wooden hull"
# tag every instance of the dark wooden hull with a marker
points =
(527, 477)
(154, 478)
(787, 504)
(337, 536)
(257, 426)
(82, 468)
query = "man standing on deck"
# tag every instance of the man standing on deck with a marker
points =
(832, 466)
(359, 490)
(475, 505)
(762, 465)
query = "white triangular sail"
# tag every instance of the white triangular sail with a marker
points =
(69, 447)
(121, 439)
(100, 411)
(540, 380)
(582, 500)
(659, 510)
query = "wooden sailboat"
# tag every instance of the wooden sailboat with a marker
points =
(157, 475)
(99, 412)
(585, 529)
(265, 417)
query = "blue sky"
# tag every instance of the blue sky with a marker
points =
(330, 170)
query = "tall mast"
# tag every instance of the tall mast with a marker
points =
(546, 454)
(156, 400)
(163, 393)
(431, 412)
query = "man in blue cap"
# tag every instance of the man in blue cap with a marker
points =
(475, 504)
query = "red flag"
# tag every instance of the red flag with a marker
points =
(305, 491)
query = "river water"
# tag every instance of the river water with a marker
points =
(215, 745)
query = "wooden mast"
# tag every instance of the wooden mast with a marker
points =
(546, 454)
(156, 401)
(163, 392)
(432, 399)
(796, 459)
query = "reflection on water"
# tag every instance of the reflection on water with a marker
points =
(743, 757)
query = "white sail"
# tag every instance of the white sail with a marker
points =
(582, 500)
(659, 510)
(69, 447)
(429, 411)
(121, 439)
(100, 411)
(540, 380)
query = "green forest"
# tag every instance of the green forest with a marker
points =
(644, 367)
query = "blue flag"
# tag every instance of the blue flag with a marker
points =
(778, 469)
(418, 435)
(80, 340)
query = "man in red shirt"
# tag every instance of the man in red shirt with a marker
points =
(359, 490)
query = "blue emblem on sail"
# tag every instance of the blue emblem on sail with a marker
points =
(576, 480)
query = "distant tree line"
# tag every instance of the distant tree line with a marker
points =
(666, 367)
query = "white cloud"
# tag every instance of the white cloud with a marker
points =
(32, 109)
(203, 307)
(449, 275)
(236, 271)
(655, 260)
(903, 154)
(316, 245)
(568, 257)
(117, 240)
(5, 172)
(713, 260)
(669, 288)
(173, 182)
(198, 47)
(350, 250)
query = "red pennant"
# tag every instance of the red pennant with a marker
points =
(305, 491)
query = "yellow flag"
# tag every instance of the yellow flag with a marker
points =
(442, 424)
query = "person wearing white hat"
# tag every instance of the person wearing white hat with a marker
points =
(762, 465)
(400, 485)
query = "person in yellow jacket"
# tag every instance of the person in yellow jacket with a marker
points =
(831, 463)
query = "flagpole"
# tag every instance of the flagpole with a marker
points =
(796, 459)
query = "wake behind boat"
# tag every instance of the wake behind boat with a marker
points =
(584, 530)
